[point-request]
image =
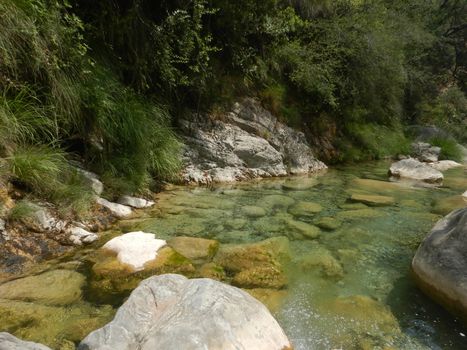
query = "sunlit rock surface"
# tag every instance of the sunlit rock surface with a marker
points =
(171, 312)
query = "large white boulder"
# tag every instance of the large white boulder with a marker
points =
(413, 169)
(135, 248)
(173, 312)
(444, 165)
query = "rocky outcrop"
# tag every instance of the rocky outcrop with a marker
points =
(440, 266)
(425, 152)
(172, 312)
(9, 342)
(415, 170)
(247, 142)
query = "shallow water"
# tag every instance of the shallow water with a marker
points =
(350, 287)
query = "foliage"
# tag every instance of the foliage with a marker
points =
(136, 136)
(449, 148)
(23, 209)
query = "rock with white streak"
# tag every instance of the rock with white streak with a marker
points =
(415, 170)
(444, 165)
(119, 210)
(138, 203)
(172, 312)
(79, 235)
(135, 248)
(10, 342)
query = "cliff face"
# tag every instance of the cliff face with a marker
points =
(247, 142)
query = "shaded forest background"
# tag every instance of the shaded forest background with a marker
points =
(104, 82)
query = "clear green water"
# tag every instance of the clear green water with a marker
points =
(351, 287)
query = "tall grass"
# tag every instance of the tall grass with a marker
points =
(136, 135)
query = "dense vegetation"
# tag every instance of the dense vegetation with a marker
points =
(103, 82)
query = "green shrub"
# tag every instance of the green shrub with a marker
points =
(449, 148)
(23, 209)
(46, 172)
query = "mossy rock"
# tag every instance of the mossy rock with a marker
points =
(213, 271)
(353, 206)
(273, 201)
(372, 200)
(305, 209)
(198, 250)
(113, 277)
(304, 229)
(253, 211)
(239, 257)
(271, 298)
(328, 223)
(235, 224)
(52, 325)
(58, 287)
(321, 259)
(360, 214)
(261, 277)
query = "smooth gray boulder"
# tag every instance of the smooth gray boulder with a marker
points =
(172, 312)
(10, 342)
(415, 170)
(119, 210)
(247, 142)
(440, 263)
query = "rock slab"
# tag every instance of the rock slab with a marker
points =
(440, 264)
(413, 169)
(172, 312)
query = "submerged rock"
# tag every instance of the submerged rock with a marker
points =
(322, 259)
(328, 223)
(360, 214)
(304, 229)
(372, 200)
(198, 250)
(138, 203)
(299, 184)
(256, 265)
(276, 201)
(439, 265)
(253, 211)
(171, 312)
(306, 209)
(413, 169)
(10, 342)
(58, 287)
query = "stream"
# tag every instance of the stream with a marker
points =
(348, 288)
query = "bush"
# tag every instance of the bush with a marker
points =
(449, 148)
(46, 172)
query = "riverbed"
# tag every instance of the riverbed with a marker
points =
(349, 285)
